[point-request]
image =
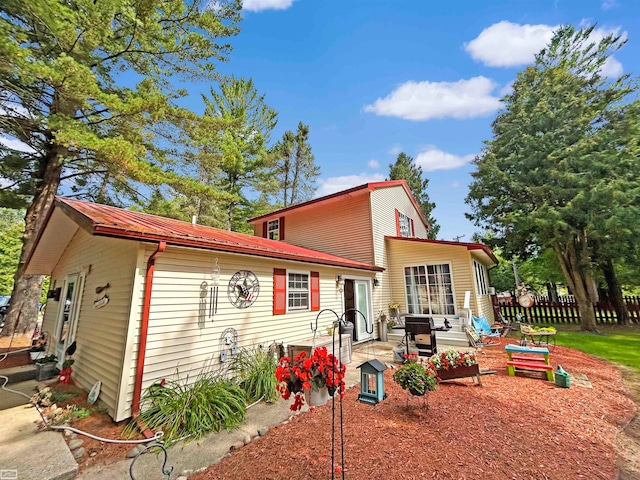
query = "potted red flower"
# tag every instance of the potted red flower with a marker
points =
(320, 370)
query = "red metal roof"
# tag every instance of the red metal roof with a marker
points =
(115, 222)
(467, 245)
(346, 193)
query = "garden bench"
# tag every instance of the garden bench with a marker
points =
(531, 359)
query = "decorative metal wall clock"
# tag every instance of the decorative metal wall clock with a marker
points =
(243, 289)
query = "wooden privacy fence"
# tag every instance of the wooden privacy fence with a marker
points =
(564, 311)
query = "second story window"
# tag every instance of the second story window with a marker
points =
(405, 225)
(273, 230)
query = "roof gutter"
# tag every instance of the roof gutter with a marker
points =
(144, 330)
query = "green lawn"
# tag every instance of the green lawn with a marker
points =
(617, 344)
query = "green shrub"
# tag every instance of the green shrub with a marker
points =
(181, 410)
(255, 373)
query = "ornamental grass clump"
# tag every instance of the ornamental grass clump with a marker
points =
(255, 374)
(415, 376)
(183, 410)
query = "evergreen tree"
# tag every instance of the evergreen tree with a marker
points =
(295, 167)
(60, 97)
(405, 169)
(245, 162)
(561, 170)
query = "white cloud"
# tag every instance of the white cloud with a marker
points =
(506, 44)
(260, 5)
(337, 184)
(507, 89)
(427, 100)
(434, 159)
(15, 144)
(612, 68)
(396, 150)
(373, 163)
(608, 4)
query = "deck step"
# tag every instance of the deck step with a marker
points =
(19, 374)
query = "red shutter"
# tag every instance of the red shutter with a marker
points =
(397, 223)
(413, 232)
(281, 228)
(315, 291)
(279, 291)
(264, 229)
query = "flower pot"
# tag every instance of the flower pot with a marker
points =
(459, 372)
(316, 398)
(415, 393)
(45, 371)
(36, 355)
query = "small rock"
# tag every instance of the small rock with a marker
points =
(262, 431)
(78, 453)
(41, 386)
(247, 439)
(93, 454)
(75, 443)
(181, 477)
(133, 452)
(186, 473)
(236, 446)
(69, 434)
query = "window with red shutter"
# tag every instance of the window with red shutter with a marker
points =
(397, 223)
(281, 228)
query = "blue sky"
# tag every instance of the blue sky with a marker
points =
(375, 77)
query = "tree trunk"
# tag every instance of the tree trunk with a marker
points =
(615, 292)
(576, 266)
(27, 288)
(552, 290)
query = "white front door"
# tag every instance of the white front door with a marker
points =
(70, 298)
(364, 325)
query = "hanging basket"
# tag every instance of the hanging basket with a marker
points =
(316, 398)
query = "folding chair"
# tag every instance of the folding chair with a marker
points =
(476, 341)
(484, 330)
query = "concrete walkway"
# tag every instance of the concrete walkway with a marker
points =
(31, 454)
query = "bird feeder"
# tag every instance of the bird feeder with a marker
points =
(372, 382)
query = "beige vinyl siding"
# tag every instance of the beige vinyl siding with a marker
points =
(384, 202)
(101, 333)
(407, 253)
(341, 228)
(485, 309)
(183, 339)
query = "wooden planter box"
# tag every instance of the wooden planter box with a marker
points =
(461, 372)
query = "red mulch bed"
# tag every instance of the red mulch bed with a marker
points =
(520, 427)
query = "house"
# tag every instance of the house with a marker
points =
(146, 297)
(380, 223)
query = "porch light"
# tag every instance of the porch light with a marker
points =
(339, 282)
(372, 382)
(376, 282)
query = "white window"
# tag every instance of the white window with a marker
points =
(480, 271)
(298, 291)
(405, 225)
(273, 229)
(429, 289)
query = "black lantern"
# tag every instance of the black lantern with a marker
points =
(372, 382)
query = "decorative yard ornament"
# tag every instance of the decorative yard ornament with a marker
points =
(372, 382)
(243, 289)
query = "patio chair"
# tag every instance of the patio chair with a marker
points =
(476, 341)
(484, 330)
